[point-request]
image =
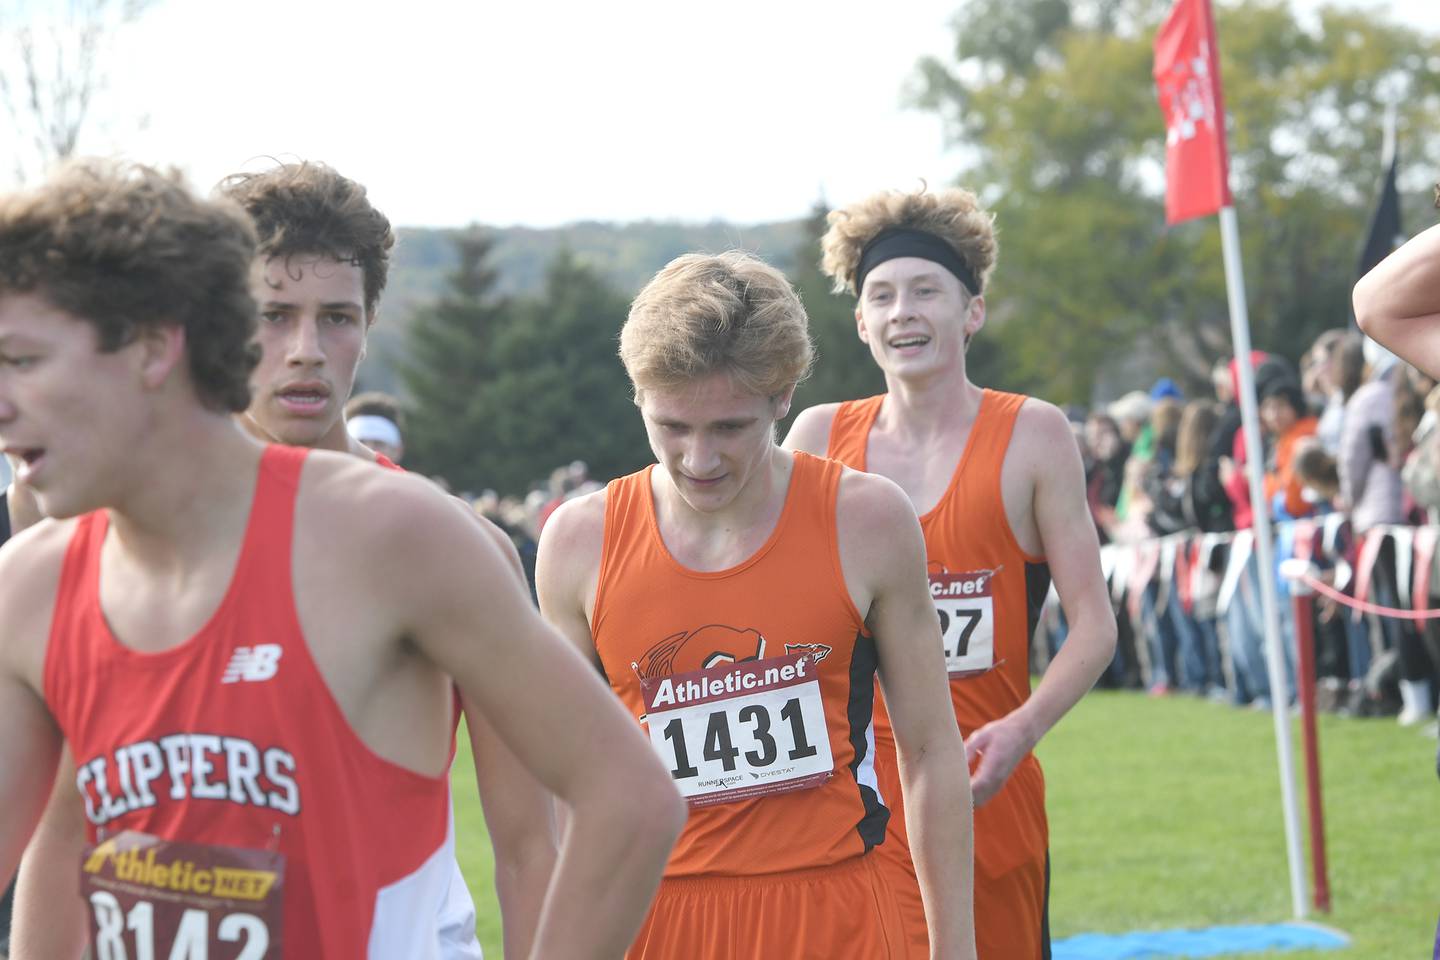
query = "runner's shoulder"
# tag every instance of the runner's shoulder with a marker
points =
(871, 506)
(30, 567)
(30, 561)
(355, 506)
(811, 430)
(577, 527)
(349, 481)
(1039, 426)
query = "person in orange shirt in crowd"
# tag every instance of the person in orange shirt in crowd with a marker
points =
(1286, 417)
(997, 481)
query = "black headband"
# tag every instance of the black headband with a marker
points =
(904, 242)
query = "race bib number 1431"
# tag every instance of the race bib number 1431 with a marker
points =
(153, 899)
(741, 730)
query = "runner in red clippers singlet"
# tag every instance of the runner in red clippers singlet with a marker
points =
(997, 482)
(242, 677)
(740, 599)
(317, 311)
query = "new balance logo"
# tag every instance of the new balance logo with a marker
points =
(253, 664)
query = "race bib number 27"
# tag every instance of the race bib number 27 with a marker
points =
(153, 899)
(741, 730)
(967, 620)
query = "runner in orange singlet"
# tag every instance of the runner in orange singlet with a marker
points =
(997, 481)
(323, 265)
(740, 600)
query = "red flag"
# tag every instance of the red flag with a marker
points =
(1187, 73)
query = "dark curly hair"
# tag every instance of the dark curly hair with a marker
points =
(309, 208)
(127, 247)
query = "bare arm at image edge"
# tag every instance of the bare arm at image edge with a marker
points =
(1398, 302)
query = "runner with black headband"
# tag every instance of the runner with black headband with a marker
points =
(997, 481)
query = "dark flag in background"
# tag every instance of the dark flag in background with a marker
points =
(1385, 233)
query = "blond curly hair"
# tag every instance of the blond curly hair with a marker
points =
(953, 215)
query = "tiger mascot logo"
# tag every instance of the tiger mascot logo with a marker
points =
(701, 649)
(712, 645)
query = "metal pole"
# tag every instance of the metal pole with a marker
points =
(1264, 554)
(1301, 594)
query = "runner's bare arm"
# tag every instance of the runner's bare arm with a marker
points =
(567, 567)
(517, 817)
(517, 808)
(30, 746)
(557, 717)
(810, 431)
(1068, 542)
(882, 549)
(50, 917)
(1398, 301)
(27, 761)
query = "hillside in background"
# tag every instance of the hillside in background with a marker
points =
(625, 255)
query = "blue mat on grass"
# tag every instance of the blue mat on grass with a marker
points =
(1209, 942)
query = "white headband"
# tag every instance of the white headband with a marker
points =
(368, 428)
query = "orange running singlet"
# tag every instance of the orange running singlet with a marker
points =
(755, 675)
(987, 593)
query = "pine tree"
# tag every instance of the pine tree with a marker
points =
(559, 392)
(449, 356)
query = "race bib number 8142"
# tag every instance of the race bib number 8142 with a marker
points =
(153, 899)
(741, 730)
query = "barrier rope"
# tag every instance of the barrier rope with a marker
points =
(1325, 589)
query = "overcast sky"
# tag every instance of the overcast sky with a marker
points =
(544, 113)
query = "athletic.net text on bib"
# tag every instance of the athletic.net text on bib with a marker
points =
(153, 899)
(967, 620)
(741, 730)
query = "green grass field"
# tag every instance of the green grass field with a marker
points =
(1166, 813)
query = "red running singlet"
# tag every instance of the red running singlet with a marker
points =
(233, 738)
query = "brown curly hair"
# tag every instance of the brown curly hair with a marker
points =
(953, 215)
(127, 247)
(728, 313)
(309, 208)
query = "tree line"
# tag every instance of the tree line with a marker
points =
(1054, 102)
(503, 388)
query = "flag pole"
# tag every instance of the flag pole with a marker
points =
(1197, 177)
(1264, 554)
(1387, 149)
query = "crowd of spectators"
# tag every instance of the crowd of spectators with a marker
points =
(524, 517)
(1350, 443)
